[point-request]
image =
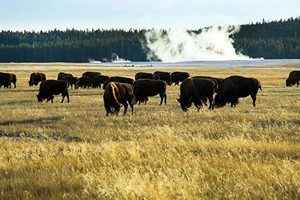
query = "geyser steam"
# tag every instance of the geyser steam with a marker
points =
(175, 45)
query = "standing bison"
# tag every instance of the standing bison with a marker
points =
(118, 79)
(90, 74)
(235, 87)
(115, 95)
(145, 75)
(164, 76)
(69, 78)
(218, 81)
(178, 77)
(294, 78)
(36, 78)
(196, 91)
(6, 79)
(144, 88)
(49, 88)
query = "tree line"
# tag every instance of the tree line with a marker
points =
(270, 40)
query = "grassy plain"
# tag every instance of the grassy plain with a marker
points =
(72, 151)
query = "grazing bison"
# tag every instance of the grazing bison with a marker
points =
(49, 88)
(36, 78)
(69, 78)
(218, 81)
(144, 88)
(164, 76)
(115, 95)
(178, 77)
(294, 78)
(235, 87)
(145, 75)
(196, 91)
(7, 79)
(83, 83)
(90, 74)
(119, 79)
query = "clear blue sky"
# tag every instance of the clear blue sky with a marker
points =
(82, 14)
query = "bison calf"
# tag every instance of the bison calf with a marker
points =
(115, 95)
(49, 88)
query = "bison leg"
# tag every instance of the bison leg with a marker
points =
(211, 102)
(125, 107)
(163, 97)
(253, 99)
(107, 108)
(131, 106)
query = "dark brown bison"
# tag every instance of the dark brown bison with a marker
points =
(36, 78)
(83, 83)
(49, 88)
(294, 78)
(235, 87)
(115, 95)
(90, 74)
(145, 75)
(197, 91)
(218, 81)
(178, 77)
(119, 79)
(7, 79)
(13, 79)
(164, 76)
(144, 88)
(69, 78)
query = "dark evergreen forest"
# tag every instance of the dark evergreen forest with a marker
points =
(270, 40)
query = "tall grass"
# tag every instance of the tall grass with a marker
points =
(72, 151)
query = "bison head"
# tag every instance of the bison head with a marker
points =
(40, 98)
(289, 82)
(185, 104)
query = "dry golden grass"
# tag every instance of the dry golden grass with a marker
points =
(72, 151)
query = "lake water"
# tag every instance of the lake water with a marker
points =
(231, 63)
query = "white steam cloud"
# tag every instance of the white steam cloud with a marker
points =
(176, 45)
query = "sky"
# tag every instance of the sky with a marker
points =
(106, 14)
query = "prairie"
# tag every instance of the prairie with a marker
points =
(72, 151)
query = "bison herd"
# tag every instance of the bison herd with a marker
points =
(120, 91)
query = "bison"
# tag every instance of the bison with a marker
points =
(294, 78)
(218, 81)
(164, 76)
(36, 78)
(196, 91)
(49, 88)
(115, 95)
(144, 88)
(178, 77)
(145, 75)
(69, 78)
(90, 74)
(119, 79)
(7, 79)
(235, 87)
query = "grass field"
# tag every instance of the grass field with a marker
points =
(72, 151)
